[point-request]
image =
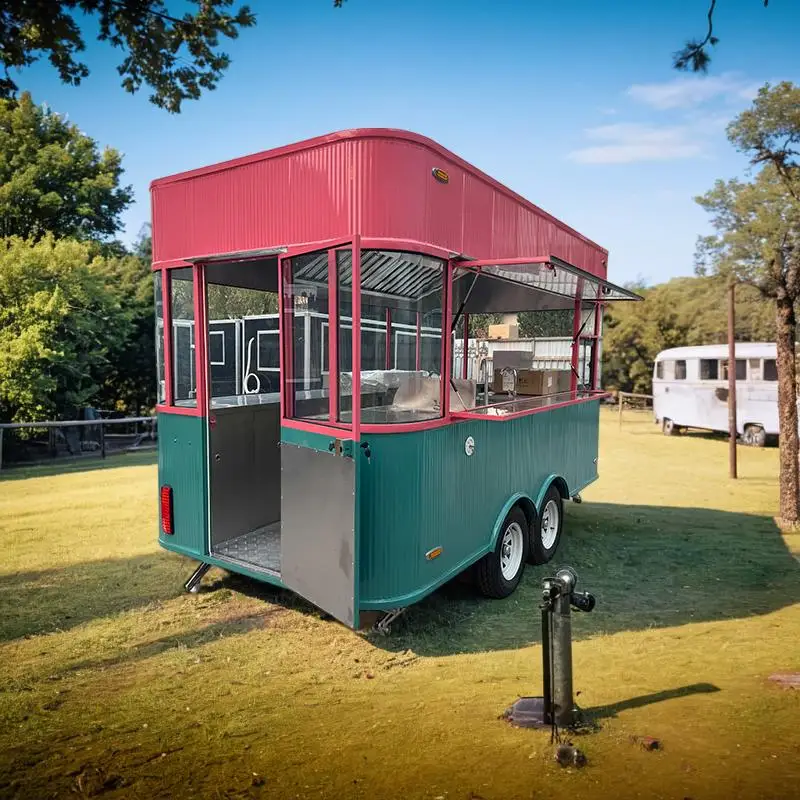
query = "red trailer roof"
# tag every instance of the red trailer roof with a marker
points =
(377, 182)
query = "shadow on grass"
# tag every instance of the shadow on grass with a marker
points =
(612, 709)
(88, 463)
(185, 640)
(648, 566)
(58, 599)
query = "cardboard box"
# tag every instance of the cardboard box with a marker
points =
(504, 331)
(535, 381)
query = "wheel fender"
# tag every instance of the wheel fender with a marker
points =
(510, 503)
(546, 488)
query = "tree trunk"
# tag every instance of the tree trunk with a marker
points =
(785, 327)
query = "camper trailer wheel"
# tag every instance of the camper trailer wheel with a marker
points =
(754, 435)
(498, 573)
(546, 528)
(669, 427)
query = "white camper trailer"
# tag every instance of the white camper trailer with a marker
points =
(690, 390)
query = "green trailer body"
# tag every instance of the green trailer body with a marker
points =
(417, 492)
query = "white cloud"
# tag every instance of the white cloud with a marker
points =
(693, 90)
(625, 143)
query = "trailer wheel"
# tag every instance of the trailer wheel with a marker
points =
(498, 573)
(754, 435)
(669, 427)
(546, 528)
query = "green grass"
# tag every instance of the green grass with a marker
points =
(113, 683)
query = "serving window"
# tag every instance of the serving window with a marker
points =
(553, 359)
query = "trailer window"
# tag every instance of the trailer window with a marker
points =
(243, 351)
(402, 301)
(755, 369)
(770, 369)
(709, 369)
(659, 369)
(680, 370)
(161, 387)
(741, 369)
(184, 384)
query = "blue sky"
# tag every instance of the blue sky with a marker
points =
(573, 105)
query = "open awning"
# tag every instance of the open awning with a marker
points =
(550, 275)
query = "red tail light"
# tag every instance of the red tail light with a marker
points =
(166, 509)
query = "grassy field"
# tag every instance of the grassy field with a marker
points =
(113, 683)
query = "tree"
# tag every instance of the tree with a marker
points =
(53, 178)
(769, 132)
(694, 56)
(757, 242)
(177, 58)
(57, 320)
(128, 379)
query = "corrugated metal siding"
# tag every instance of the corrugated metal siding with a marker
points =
(182, 464)
(420, 490)
(376, 185)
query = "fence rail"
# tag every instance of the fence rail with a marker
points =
(32, 443)
(622, 396)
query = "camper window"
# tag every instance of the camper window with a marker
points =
(659, 369)
(755, 369)
(741, 369)
(680, 370)
(709, 369)
(770, 369)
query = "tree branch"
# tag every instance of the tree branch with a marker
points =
(694, 54)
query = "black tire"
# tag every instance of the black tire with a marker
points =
(669, 427)
(754, 436)
(489, 572)
(538, 552)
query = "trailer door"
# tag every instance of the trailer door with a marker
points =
(318, 525)
(319, 428)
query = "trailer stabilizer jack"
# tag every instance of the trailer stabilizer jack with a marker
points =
(193, 584)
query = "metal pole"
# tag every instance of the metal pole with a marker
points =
(620, 394)
(731, 382)
(102, 440)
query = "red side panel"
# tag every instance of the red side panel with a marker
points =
(375, 182)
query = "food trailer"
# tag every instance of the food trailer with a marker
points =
(312, 433)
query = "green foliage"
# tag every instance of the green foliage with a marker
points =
(52, 177)
(684, 311)
(556, 322)
(177, 58)
(769, 132)
(757, 239)
(129, 380)
(58, 323)
(232, 302)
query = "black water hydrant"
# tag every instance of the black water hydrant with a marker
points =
(556, 706)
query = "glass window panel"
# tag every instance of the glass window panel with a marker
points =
(755, 369)
(306, 303)
(406, 289)
(680, 370)
(770, 369)
(184, 386)
(161, 388)
(709, 369)
(741, 369)
(659, 369)
(239, 319)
